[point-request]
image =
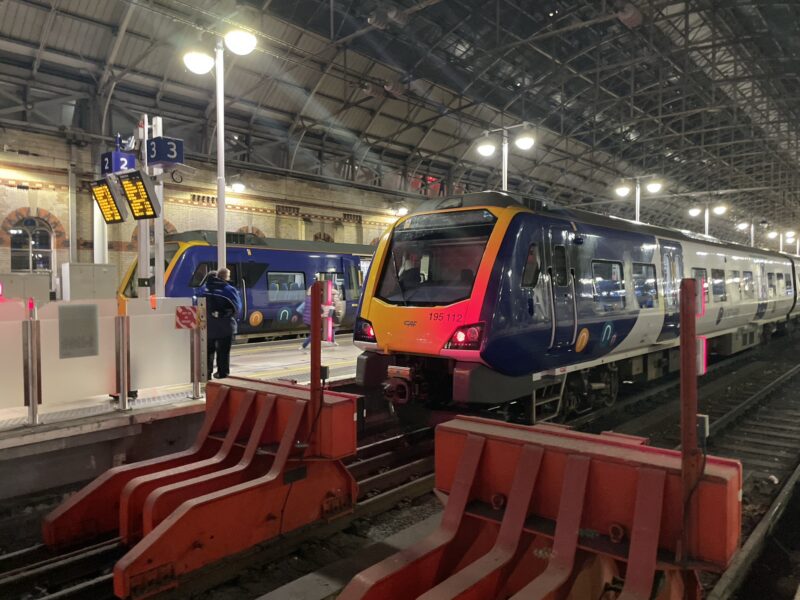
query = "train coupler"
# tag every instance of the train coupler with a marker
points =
(245, 480)
(545, 512)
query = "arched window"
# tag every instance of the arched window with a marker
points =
(31, 245)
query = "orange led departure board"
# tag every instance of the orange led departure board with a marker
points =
(108, 201)
(140, 194)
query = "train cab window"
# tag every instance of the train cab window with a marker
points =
(772, 290)
(748, 289)
(560, 265)
(200, 273)
(608, 284)
(286, 286)
(530, 274)
(701, 275)
(718, 285)
(734, 286)
(644, 285)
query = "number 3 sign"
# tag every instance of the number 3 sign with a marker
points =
(163, 151)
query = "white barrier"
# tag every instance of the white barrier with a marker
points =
(12, 313)
(160, 354)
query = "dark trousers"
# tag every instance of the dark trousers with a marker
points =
(222, 348)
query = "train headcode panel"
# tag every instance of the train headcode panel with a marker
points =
(140, 194)
(109, 201)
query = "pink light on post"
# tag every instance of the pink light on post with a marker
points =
(328, 318)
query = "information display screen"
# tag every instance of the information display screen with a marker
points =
(140, 194)
(107, 201)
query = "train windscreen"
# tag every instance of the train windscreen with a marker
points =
(433, 258)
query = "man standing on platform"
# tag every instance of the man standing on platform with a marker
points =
(223, 307)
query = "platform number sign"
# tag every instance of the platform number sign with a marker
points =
(164, 151)
(113, 162)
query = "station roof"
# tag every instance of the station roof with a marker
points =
(703, 94)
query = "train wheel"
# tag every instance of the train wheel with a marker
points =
(610, 391)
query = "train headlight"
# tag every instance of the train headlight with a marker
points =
(468, 337)
(364, 331)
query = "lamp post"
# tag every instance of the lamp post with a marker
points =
(486, 146)
(241, 43)
(719, 210)
(653, 186)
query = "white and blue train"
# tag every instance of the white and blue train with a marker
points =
(476, 299)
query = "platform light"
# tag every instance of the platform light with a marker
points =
(790, 234)
(742, 226)
(486, 146)
(402, 211)
(238, 187)
(654, 187)
(622, 190)
(720, 210)
(772, 235)
(198, 63)
(695, 212)
(525, 139)
(240, 42)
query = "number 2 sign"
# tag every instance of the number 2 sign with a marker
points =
(114, 162)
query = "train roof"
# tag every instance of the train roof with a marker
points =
(255, 241)
(504, 200)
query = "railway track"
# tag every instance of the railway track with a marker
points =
(389, 468)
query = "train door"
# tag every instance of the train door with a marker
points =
(354, 279)
(671, 275)
(562, 288)
(252, 285)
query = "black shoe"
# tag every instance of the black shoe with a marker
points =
(220, 376)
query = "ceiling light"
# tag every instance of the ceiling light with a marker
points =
(240, 42)
(790, 234)
(720, 210)
(742, 226)
(695, 212)
(653, 186)
(622, 190)
(525, 139)
(772, 235)
(402, 211)
(198, 63)
(238, 187)
(486, 146)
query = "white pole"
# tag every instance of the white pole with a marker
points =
(638, 199)
(505, 160)
(706, 219)
(221, 258)
(797, 246)
(752, 235)
(780, 243)
(143, 291)
(158, 223)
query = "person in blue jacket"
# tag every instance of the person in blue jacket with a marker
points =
(223, 307)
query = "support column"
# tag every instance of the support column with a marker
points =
(221, 241)
(72, 178)
(158, 222)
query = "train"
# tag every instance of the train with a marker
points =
(272, 276)
(478, 300)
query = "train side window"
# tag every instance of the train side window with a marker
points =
(748, 290)
(284, 286)
(200, 273)
(789, 285)
(734, 286)
(252, 272)
(353, 291)
(608, 284)
(718, 285)
(530, 274)
(644, 285)
(701, 275)
(781, 284)
(771, 285)
(560, 265)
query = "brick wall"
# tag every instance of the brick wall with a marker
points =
(34, 181)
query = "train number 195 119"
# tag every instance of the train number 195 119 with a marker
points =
(446, 317)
